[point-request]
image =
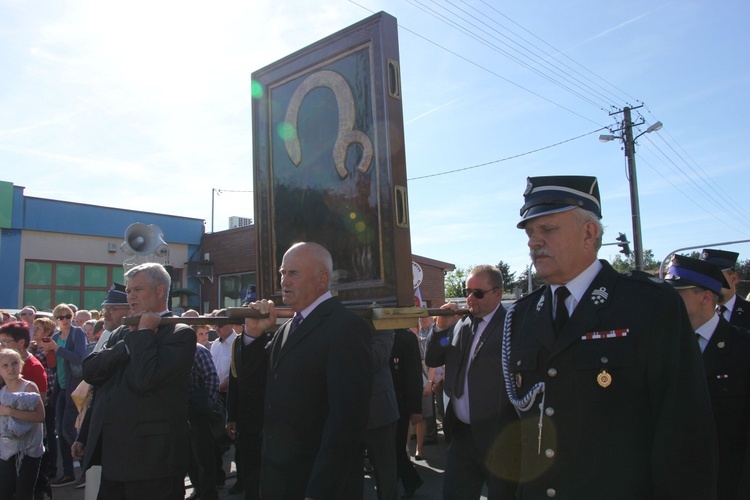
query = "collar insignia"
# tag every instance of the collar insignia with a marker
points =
(540, 304)
(599, 296)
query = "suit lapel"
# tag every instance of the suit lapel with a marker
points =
(541, 326)
(495, 324)
(717, 348)
(585, 317)
(308, 324)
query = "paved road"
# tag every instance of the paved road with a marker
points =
(430, 469)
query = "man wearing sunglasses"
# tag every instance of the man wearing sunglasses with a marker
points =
(469, 347)
(602, 368)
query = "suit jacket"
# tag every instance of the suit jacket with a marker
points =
(317, 402)
(626, 410)
(139, 429)
(383, 404)
(406, 371)
(247, 383)
(740, 313)
(485, 376)
(727, 362)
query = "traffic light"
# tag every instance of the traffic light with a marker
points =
(624, 245)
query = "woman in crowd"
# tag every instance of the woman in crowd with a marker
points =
(69, 346)
(22, 417)
(43, 328)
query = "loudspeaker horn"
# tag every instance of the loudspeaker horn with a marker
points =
(142, 239)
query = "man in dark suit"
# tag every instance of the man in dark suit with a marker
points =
(726, 351)
(318, 387)
(245, 397)
(406, 371)
(470, 350)
(139, 430)
(604, 373)
(731, 306)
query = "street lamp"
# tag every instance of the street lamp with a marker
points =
(629, 142)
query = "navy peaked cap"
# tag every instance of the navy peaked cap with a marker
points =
(722, 258)
(558, 193)
(687, 272)
(116, 296)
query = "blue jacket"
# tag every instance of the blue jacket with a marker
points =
(71, 355)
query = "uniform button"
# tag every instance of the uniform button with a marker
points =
(605, 359)
(549, 453)
(549, 411)
(551, 493)
(518, 363)
(276, 376)
(552, 372)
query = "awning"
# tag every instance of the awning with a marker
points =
(176, 292)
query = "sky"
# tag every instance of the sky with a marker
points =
(146, 105)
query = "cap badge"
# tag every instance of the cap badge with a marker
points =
(529, 186)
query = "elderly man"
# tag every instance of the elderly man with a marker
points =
(114, 308)
(318, 386)
(731, 306)
(602, 367)
(139, 429)
(469, 347)
(726, 351)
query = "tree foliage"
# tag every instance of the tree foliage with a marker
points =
(628, 264)
(508, 276)
(455, 282)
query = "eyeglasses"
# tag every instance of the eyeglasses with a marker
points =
(6, 342)
(478, 293)
(107, 309)
(67, 316)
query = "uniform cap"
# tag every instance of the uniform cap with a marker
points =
(116, 295)
(723, 258)
(558, 193)
(686, 272)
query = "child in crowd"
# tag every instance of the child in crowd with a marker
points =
(21, 423)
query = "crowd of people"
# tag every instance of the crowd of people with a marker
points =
(596, 385)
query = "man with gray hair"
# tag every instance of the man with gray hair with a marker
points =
(139, 431)
(602, 368)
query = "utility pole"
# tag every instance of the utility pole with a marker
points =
(629, 142)
(635, 206)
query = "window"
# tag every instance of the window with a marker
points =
(47, 284)
(234, 289)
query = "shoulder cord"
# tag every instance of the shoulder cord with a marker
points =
(525, 403)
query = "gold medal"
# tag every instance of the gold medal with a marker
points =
(604, 379)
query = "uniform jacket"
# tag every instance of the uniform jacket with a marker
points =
(247, 383)
(406, 370)
(626, 406)
(139, 428)
(317, 403)
(740, 313)
(727, 362)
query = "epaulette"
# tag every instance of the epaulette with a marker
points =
(644, 277)
(530, 295)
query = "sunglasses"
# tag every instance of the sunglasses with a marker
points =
(26, 314)
(479, 294)
(67, 316)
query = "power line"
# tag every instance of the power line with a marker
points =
(507, 158)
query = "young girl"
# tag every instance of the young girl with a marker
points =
(19, 455)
